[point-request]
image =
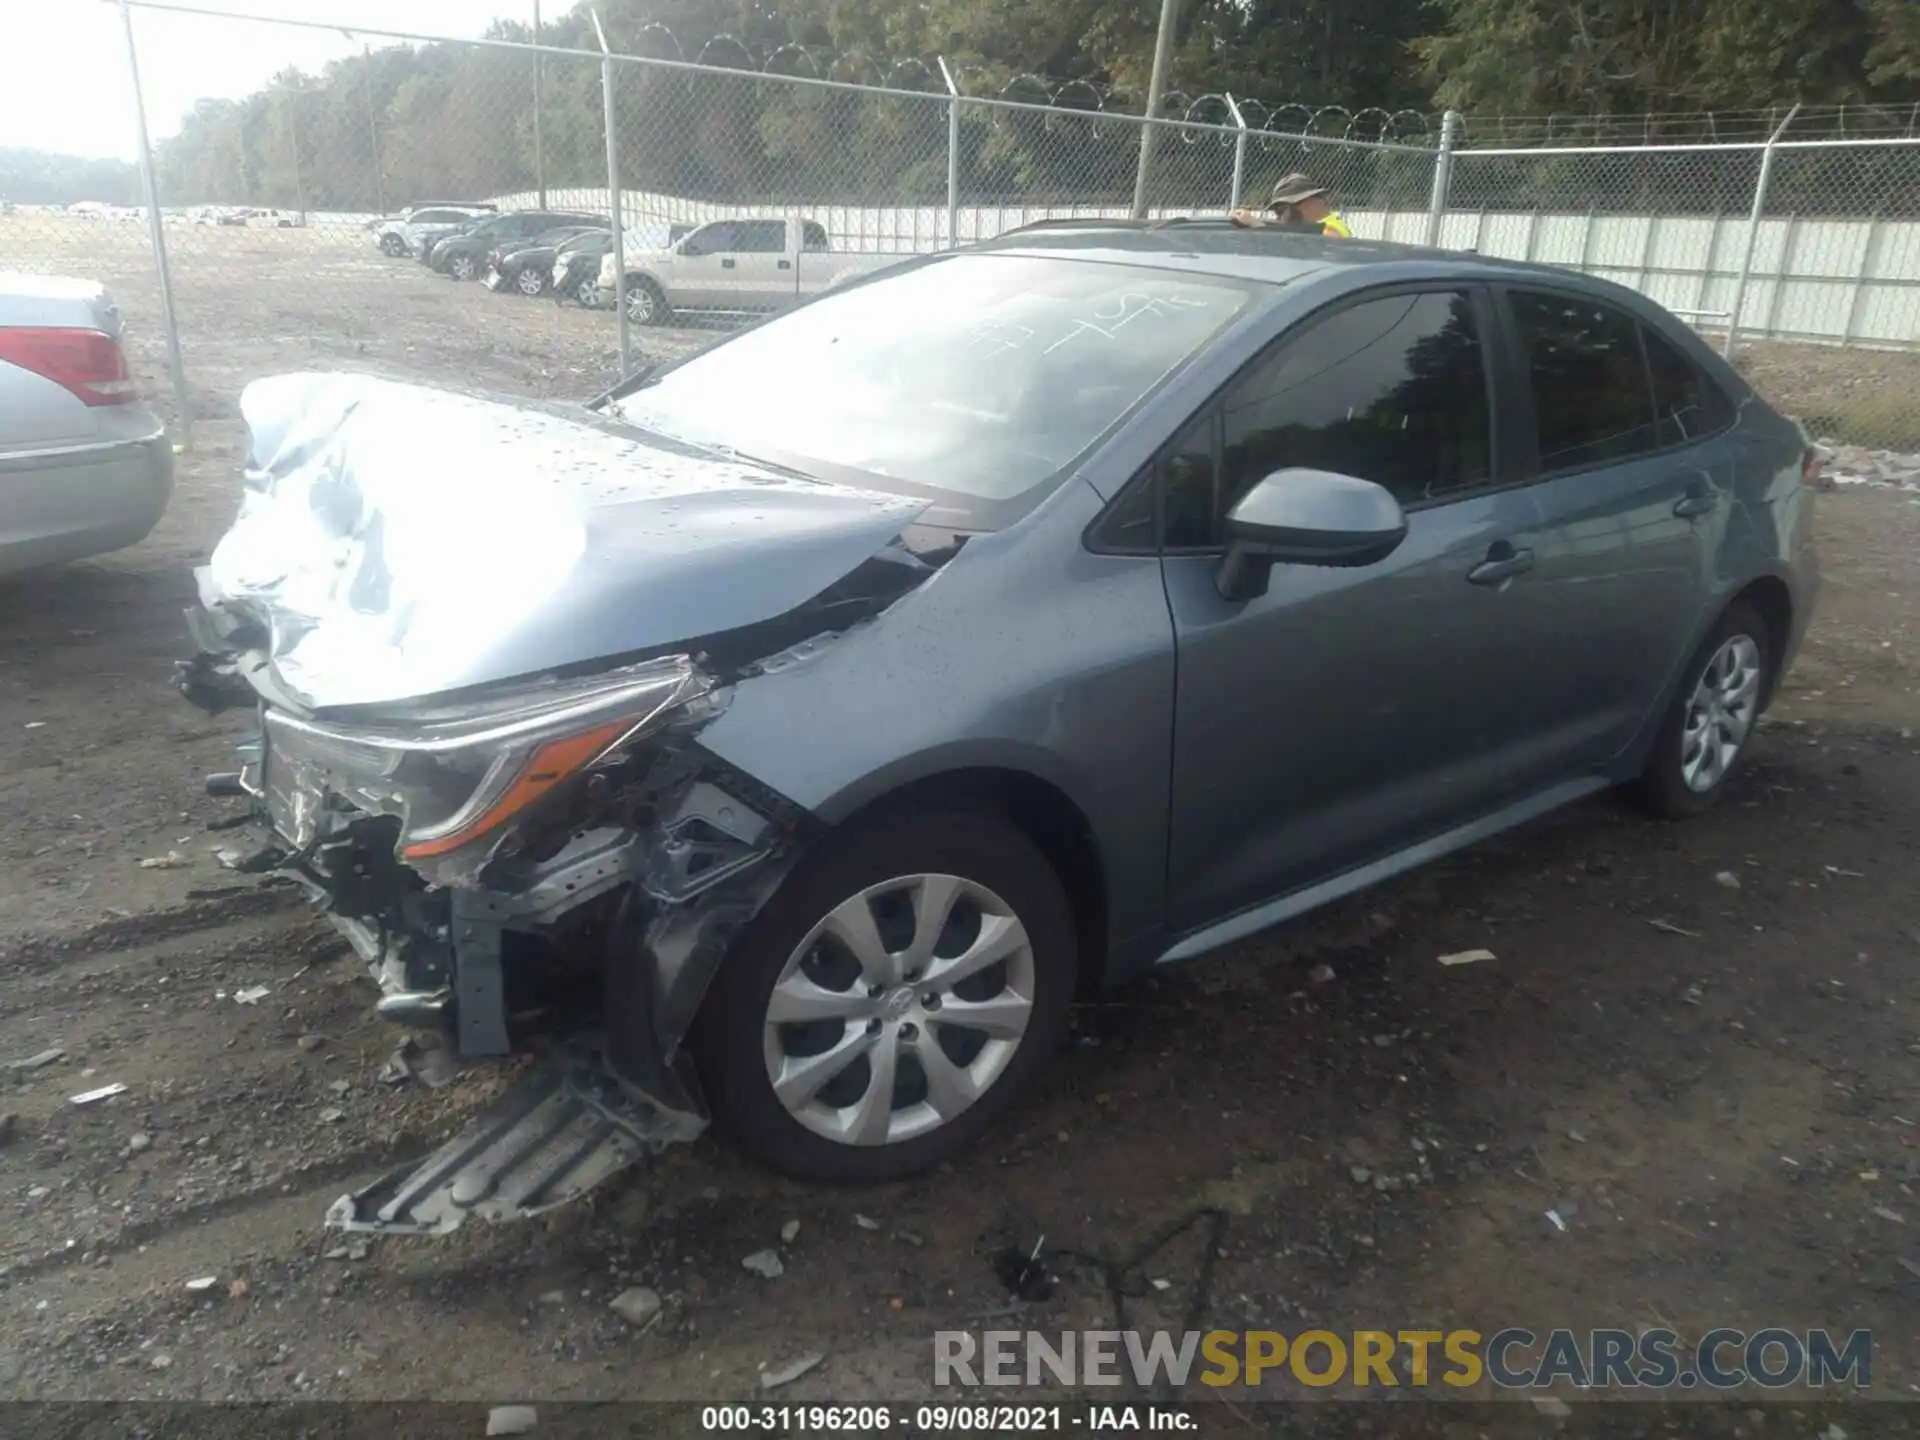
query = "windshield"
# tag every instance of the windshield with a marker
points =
(980, 375)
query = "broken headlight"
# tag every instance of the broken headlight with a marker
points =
(457, 775)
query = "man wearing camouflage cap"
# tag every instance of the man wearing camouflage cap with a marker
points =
(1297, 204)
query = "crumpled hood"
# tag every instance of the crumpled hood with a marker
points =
(399, 541)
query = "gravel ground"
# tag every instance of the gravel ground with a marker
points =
(1695, 1043)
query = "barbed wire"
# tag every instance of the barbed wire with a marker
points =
(1098, 96)
(1086, 94)
(1706, 127)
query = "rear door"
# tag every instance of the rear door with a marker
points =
(1631, 502)
(1346, 713)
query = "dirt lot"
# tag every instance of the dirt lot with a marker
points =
(1713, 1084)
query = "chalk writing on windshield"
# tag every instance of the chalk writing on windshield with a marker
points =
(1106, 319)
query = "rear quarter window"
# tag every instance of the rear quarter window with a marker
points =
(1687, 403)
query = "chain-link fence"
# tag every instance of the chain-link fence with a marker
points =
(361, 207)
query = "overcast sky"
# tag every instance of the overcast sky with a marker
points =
(63, 70)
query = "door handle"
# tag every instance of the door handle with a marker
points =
(1696, 502)
(786, 264)
(726, 264)
(1503, 562)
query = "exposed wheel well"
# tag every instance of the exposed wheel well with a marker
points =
(1771, 598)
(1048, 818)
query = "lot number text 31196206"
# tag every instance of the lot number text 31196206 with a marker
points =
(962, 1419)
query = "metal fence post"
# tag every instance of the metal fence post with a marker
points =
(1442, 175)
(953, 154)
(157, 232)
(1239, 155)
(1753, 229)
(539, 147)
(618, 220)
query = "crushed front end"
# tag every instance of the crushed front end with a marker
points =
(464, 631)
(556, 869)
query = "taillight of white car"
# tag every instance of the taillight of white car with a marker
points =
(90, 363)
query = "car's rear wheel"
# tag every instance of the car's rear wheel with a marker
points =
(646, 302)
(587, 292)
(463, 267)
(392, 245)
(906, 984)
(1705, 732)
(529, 281)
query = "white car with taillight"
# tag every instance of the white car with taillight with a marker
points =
(84, 467)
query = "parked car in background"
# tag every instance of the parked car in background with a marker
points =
(575, 273)
(734, 267)
(410, 232)
(463, 254)
(84, 467)
(813, 718)
(527, 266)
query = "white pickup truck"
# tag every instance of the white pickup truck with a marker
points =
(732, 267)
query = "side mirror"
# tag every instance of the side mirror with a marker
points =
(1306, 517)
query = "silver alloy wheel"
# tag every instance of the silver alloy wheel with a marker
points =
(588, 293)
(462, 267)
(899, 1010)
(640, 304)
(1721, 713)
(529, 281)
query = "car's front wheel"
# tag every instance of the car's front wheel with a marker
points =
(905, 985)
(393, 245)
(1706, 730)
(529, 281)
(463, 267)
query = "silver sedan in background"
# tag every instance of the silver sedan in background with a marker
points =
(84, 467)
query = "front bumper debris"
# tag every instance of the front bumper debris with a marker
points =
(558, 1132)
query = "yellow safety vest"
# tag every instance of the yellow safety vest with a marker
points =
(1335, 225)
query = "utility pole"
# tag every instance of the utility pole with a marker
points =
(1156, 88)
(539, 159)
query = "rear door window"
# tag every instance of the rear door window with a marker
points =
(762, 237)
(1592, 400)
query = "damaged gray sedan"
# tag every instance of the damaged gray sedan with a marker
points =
(784, 739)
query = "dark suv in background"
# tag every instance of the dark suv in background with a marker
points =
(463, 255)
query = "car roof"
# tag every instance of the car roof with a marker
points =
(1208, 246)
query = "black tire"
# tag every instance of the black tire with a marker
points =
(729, 1039)
(646, 302)
(1662, 788)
